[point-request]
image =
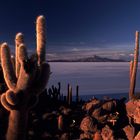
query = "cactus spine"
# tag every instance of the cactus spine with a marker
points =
(28, 79)
(133, 67)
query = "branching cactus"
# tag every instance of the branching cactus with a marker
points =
(25, 81)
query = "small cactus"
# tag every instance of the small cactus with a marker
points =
(60, 122)
(26, 81)
(69, 95)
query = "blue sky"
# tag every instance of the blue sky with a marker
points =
(75, 28)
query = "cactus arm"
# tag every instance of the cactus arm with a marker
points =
(13, 61)
(7, 67)
(5, 104)
(18, 40)
(41, 38)
(135, 65)
(23, 83)
(22, 54)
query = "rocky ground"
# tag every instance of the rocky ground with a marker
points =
(107, 119)
(55, 119)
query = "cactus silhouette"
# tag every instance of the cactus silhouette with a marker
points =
(77, 94)
(133, 67)
(25, 81)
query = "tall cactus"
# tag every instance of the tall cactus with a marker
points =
(25, 82)
(133, 67)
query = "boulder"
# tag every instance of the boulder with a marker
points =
(97, 136)
(90, 106)
(129, 131)
(109, 105)
(86, 136)
(88, 124)
(133, 110)
(107, 133)
(137, 137)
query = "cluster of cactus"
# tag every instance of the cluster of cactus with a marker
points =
(133, 67)
(69, 94)
(54, 92)
(26, 77)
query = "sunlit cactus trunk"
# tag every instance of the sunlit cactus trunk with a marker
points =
(133, 67)
(17, 127)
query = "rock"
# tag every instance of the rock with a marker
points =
(90, 106)
(137, 115)
(109, 105)
(97, 136)
(133, 110)
(86, 136)
(107, 133)
(46, 116)
(31, 133)
(65, 111)
(88, 124)
(137, 137)
(129, 131)
(98, 115)
(65, 136)
(46, 135)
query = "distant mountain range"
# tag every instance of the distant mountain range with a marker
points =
(94, 58)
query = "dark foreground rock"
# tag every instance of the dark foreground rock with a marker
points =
(111, 119)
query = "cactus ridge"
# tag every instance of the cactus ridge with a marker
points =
(7, 67)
